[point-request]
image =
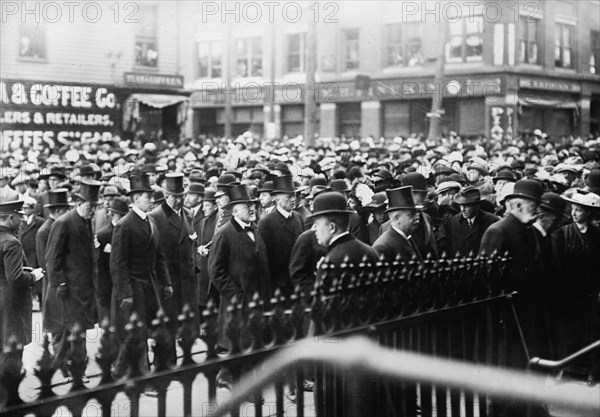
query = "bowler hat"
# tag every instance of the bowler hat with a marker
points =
(59, 197)
(378, 202)
(139, 183)
(174, 183)
(158, 197)
(528, 189)
(469, 195)
(225, 181)
(119, 205)
(554, 203)
(209, 195)
(89, 171)
(196, 176)
(239, 194)
(400, 198)
(504, 175)
(110, 191)
(9, 207)
(89, 191)
(593, 181)
(196, 188)
(340, 186)
(330, 202)
(283, 185)
(416, 180)
(267, 187)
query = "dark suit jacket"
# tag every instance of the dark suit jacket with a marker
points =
(391, 244)
(465, 240)
(104, 283)
(279, 235)
(205, 236)
(304, 214)
(358, 227)
(41, 241)
(70, 260)
(222, 218)
(424, 236)
(306, 253)
(28, 233)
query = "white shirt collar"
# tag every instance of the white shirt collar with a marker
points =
(337, 237)
(139, 212)
(401, 233)
(540, 228)
(284, 213)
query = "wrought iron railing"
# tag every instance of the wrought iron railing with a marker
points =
(448, 308)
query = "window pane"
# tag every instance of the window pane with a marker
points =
(474, 46)
(394, 45)
(146, 53)
(455, 47)
(32, 42)
(217, 54)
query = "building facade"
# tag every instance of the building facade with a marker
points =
(88, 71)
(509, 67)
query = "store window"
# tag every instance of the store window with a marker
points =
(32, 41)
(466, 40)
(529, 41)
(146, 50)
(210, 59)
(295, 52)
(595, 55)
(351, 58)
(404, 46)
(563, 45)
(249, 57)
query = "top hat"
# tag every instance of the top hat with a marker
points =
(528, 189)
(9, 207)
(340, 186)
(209, 195)
(401, 198)
(89, 191)
(110, 191)
(469, 195)
(416, 180)
(283, 185)
(119, 205)
(554, 203)
(378, 202)
(330, 202)
(504, 175)
(593, 181)
(196, 188)
(239, 194)
(590, 200)
(139, 183)
(59, 197)
(174, 184)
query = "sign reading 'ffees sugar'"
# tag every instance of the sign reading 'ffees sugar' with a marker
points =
(133, 79)
(37, 113)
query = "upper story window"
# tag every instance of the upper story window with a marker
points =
(295, 52)
(466, 40)
(563, 45)
(529, 38)
(595, 55)
(350, 48)
(210, 59)
(146, 51)
(249, 57)
(404, 48)
(32, 41)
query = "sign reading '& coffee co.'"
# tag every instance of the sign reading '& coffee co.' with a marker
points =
(34, 113)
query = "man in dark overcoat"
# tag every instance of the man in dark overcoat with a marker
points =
(279, 230)
(238, 265)
(206, 232)
(15, 280)
(178, 239)
(465, 229)
(70, 297)
(29, 228)
(58, 204)
(137, 264)
(304, 258)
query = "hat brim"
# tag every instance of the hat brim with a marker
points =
(464, 201)
(212, 199)
(579, 203)
(525, 196)
(143, 190)
(284, 192)
(325, 212)
(401, 208)
(174, 193)
(69, 205)
(495, 179)
(374, 207)
(118, 211)
(233, 203)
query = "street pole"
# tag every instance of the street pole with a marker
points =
(310, 105)
(228, 77)
(435, 115)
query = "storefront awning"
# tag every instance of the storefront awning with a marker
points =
(541, 102)
(158, 101)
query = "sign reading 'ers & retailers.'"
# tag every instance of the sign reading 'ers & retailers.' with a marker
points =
(34, 113)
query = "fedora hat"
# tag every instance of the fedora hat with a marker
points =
(196, 188)
(554, 203)
(9, 207)
(283, 185)
(330, 202)
(59, 197)
(590, 200)
(401, 198)
(110, 191)
(174, 183)
(89, 191)
(139, 183)
(209, 195)
(239, 194)
(378, 202)
(416, 180)
(119, 205)
(469, 195)
(504, 175)
(528, 189)
(267, 187)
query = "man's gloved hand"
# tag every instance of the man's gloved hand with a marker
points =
(126, 302)
(168, 292)
(62, 291)
(38, 274)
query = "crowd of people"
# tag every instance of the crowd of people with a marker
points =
(98, 231)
